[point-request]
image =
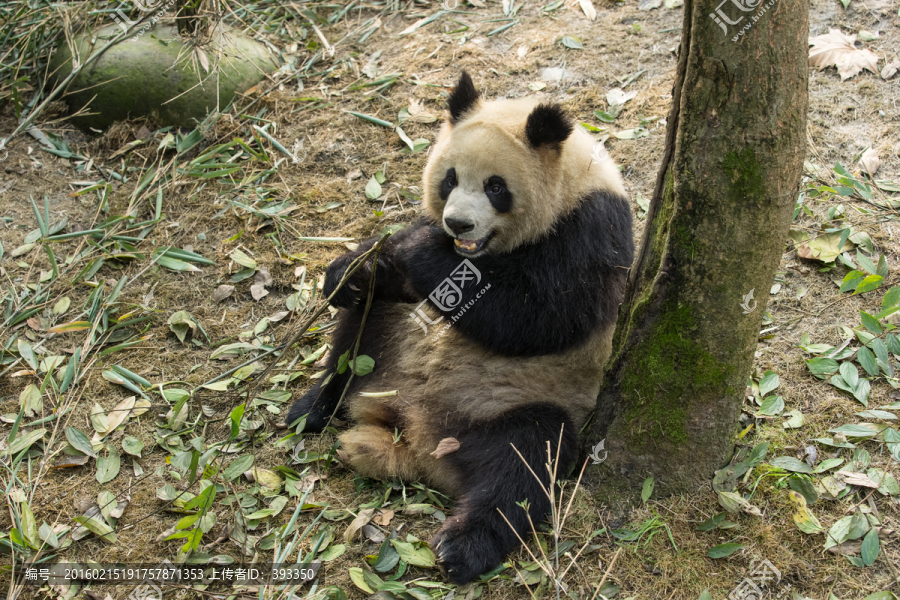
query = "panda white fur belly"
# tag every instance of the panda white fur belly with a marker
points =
(519, 199)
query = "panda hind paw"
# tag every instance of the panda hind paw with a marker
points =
(462, 555)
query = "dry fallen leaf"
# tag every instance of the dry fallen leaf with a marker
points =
(202, 58)
(258, 291)
(418, 114)
(617, 96)
(824, 248)
(373, 534)
(384, 519)
(70, 461)
(847, 548)
(446, 446)
(361, 519)
(262, 276)
(588, 7)
(222, 292)
(839, 50)
(805, 520)
(870, 161)
(890, 69)
(117, 416)
(309, 482)
(854, 478)
(279, 316)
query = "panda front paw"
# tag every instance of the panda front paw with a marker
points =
(353, 289)
(464, 552)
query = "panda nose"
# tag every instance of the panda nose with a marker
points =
(459, 226)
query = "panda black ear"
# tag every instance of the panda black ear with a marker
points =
(548, 124)
(463, 97)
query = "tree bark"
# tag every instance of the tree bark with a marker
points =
(715, 231)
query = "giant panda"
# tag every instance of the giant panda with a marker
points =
(490, 322)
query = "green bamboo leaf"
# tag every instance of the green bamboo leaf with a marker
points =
(868, 362)
(80, 441)
(891, 298)
(373, 189)
(822, 367)
(572, 42)
(108, 466)
(870, 322)
(868, 284)
(723, 550)
(768, 383)
(24, 441)
(647, 489)
(870, 548)
(371, 119)
(238, 466)
(789, 463)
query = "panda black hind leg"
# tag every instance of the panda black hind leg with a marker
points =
(476, 538)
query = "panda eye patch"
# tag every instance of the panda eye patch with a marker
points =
(448, 183)
(499, 195)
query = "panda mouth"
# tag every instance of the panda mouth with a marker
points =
(471, 247)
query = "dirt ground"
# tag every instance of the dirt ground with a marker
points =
(324, 195)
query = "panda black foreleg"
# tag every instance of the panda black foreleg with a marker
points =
(390, 282)
(320, 401)
(476, 538)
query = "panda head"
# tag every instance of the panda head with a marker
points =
(503, 172)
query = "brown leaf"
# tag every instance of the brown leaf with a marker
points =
(203, 58)
(70, 461)
(890, 69)
(854, 478)
(870, 161)
(262, 276)
(35, 323)
(117, 416)
(361, 519)
(373, 534)
(839, 50)
(824, 247)
(384, 519)
(588, 8)
(418, 113)
(445, 447)
(119, 510)
(309, 482)
(847, 548)
(258, 291)
(222, 292)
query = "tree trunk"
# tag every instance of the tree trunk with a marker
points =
(715, 232)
